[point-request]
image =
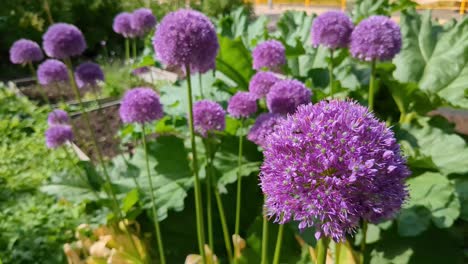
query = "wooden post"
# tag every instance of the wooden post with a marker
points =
(463, 7)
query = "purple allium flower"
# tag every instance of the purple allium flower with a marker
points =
(58, 117)
(123, 25)
(208, 116)
(242, 104)
(24, 51)
(52, 71)
(265, 125)
(330, 165)
(269, 54)
(187, 37)
(376, 38)
(143, 21)
(63, 41)
(261, 83)
(88, 74)
(332, 30)
(286, 95)
(140, 105)
(57, 135)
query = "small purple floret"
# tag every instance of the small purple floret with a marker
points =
(52, 71)
(270, 54)
(208, 116)
(140, 105)
(123, 25)
(57, 135)
(332, 30)
(242, 105)
(331, 165)
(88, 74)
(58, 117)
(25, 51)
(261, 83)
(186, 37)
(143, 21)
(376, 38)
(286, 95)
(264, 126)
(63, 41)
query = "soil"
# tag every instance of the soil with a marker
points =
(105, 123)
(55, 93)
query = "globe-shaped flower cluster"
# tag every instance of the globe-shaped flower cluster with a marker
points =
(270, 54)
(376, 38)
(208, 116)
(140, 105)
(332, 30)
(286, 95)
(142, 21)
(88, 74)
(123, 25)
(264, 125)
(330, 165)
(25, 51)
(52, 71)
(63, 41)
(57, 135)
(261, 83)
(242, 105)
(58, 117)
(187, 37)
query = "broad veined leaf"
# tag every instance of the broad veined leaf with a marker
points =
(434, 57)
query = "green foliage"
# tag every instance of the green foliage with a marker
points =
(214, 8)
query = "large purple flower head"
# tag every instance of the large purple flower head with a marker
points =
(88, 74)
(24, 51)
(52, 71)
(330, 165)
(286, 95)
(264, 126)
(57, 135)
(143, 21)
(376, 38)
(332, 30)
(58, 117)
(269, 54)
(187, 37)
(140, 105)
(208, 116)
(261, 83)
(123, 25)
(242, 104)
(63, 41)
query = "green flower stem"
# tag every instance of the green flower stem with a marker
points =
(338, 247)
(330, 73)
(127, 49)
(239, 187)
(98, 151)
(162, 258)
(209, 209)
(201, 85)
(134, 42)
(43, 95)
(198, 198)
(322, 246)
(265, 240)
(372, 87)
(279, 241)
(363, 241)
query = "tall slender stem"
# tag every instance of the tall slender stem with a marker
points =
(279, 241)
(162, 258)
(47, 10)
(200, 83)
(239, 188)
(127, 50)
(198, 198)
(363, 241)
(265, 240)
(338, 247)
(322, 246)
(330, 73)
(209, 211)
(134, 48)
(98, 151)
(372, 87)
(43, 95)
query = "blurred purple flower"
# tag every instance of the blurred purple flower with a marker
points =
(332, 30)
(269, 54)
(58, 117)
(123, 25)
(24, 51)
(242, 105)
(376, 38)
(286, 95)
(261, 83)
(63, 41)
(208, 116)
(331, 165)
(57, 135)
(264, 126)
(52, 71)
(88, 74)
(140, 105)
(186, 37)
(143, 21)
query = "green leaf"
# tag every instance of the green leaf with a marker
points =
(427, 47)
(461, 186)
(130, 200)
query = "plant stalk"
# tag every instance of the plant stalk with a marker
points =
(127, 50)
(198, 198)
(265, 240)
(322, 246)
(134, 48)
(162, 258)
(363, 241)
(200, 83)
(279, 241)
(239, 187)
(372, 87)
(330, 73)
